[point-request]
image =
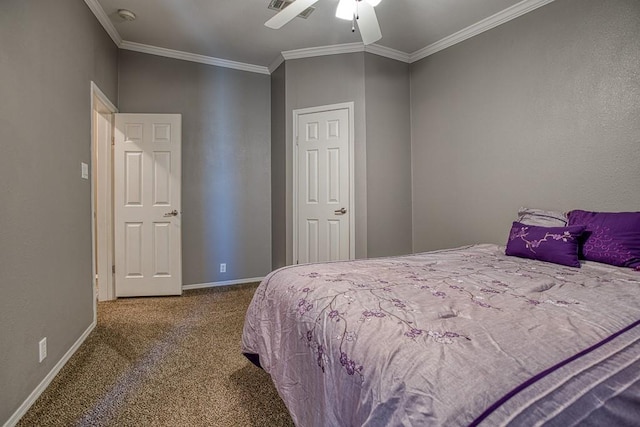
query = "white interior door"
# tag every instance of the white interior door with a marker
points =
(147, 217)
(323, 186)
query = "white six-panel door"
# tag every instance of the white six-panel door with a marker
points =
(323, 186)
(147, 217)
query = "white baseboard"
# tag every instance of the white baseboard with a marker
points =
(225, 283)
(47, 380)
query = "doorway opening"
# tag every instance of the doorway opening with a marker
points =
(102, 111)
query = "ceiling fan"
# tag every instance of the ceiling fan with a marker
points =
(360, 11)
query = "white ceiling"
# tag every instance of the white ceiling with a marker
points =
(234, 30)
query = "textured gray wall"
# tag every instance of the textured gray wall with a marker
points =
(278, 168)
(49, 54)
(543, 111)
(324, 80)
(388, 156)
(226, 127)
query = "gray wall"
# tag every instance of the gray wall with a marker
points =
(278, 168)
(324, 80)
(543, 111)
(226, 191)
(388, 156)
(50, 52)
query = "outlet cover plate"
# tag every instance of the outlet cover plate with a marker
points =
(42, 347)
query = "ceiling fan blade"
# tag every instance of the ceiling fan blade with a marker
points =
(368, 23)
(288, 13)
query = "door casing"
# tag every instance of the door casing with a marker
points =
(101, 194)
(349, 106)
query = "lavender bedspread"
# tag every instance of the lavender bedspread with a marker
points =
(438, 338)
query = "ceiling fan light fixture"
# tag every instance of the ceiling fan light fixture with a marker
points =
(346, 9)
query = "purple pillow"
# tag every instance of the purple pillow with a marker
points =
(552, 244)
(610, 237)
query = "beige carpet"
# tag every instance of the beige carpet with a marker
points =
(171, 361)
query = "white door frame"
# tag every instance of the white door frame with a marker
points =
(101, 190)
(352, 229)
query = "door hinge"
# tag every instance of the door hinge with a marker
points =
(113, 140)
(113, 269)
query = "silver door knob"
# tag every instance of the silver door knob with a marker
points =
(172, 213)
(340, 211)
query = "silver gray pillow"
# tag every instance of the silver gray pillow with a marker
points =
(542, 218)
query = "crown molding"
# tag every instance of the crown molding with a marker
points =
(387, 52)
(276, 63)
(186, 56)
(346, 48)
(335, 49)
(486, 24)
(102, 17)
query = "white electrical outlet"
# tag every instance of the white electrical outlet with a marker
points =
(42, 346)
(223, 268)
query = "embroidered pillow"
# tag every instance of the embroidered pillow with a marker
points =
(531, 216)
(610, 237)
(552, 244)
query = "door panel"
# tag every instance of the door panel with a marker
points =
(162, 245)
(333, 176)
(312, 177)
(162, 178)
(323, 186)
(333, 239)
(147, 221)
(133, 178)
(133, 249)
(311, 247)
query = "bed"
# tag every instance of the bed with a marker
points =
(466, 336)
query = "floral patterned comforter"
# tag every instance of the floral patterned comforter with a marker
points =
(427, 339)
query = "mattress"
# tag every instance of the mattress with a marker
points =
(466, 336)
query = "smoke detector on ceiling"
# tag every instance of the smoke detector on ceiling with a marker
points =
(281, 4)
(127, 15)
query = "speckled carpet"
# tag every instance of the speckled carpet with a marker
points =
(170, 361)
